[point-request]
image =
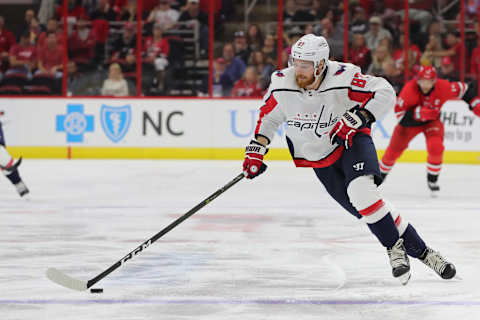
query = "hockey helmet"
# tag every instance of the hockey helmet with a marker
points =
(311, 48)
(427, 73)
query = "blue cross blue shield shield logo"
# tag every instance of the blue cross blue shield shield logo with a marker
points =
(115, 121)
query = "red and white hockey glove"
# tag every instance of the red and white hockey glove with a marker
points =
(253, 164)
(346, 128)
(425, 114)
(475, 106)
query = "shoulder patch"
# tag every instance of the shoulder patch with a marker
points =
(279, 74)
(340, 70)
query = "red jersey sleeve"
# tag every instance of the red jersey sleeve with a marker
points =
(456, 89)
(408, 98)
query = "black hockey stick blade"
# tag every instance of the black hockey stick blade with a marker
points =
(13, 167)
(66, 281)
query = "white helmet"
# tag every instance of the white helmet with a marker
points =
(311, 48)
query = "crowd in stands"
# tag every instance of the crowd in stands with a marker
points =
(103, 52)
(100, 34)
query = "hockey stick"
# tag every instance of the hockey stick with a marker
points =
(65, 280)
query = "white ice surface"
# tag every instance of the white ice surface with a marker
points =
(276, 247)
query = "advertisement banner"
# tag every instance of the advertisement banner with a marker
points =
(181, 123)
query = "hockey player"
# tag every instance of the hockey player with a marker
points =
(328, 108)
(418, 110)
(9, 167)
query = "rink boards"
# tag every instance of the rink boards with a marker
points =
(184, 129)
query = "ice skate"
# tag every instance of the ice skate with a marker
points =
(435, 261)
(432, 181)
(22, 190)
(383, 175)
(399, 262)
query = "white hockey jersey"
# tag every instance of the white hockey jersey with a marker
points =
(309, 115)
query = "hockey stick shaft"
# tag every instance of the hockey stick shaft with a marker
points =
(164, 231)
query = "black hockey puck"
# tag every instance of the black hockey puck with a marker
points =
(96, 290)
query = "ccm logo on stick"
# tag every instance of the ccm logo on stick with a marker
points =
(136, 251)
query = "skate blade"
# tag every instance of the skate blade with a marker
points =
(434, 194)
(26, 197)
(404, 278)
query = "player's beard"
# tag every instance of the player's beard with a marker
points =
(304, 82)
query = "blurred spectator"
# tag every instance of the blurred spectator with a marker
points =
(359, 21)
(25, 25)
(292, 13)
(254, 37)
(248, 85)
(413, 57)
(119, 5)
(241, 47)
(382, 63)
(303, 4)
(264, 69)
(304, 15)
(234, 69)
(391, 22)
(270, 49)
(427, 58)
(453, 48)
(434, 30)
(100, 30)
(447, 70)
(192, 13)
(218, 70)
(46, 11)
(157, 49)
(129, 12)
(376, 33)
(23, 56)
(359, 53)
(475, 62)
(103, 11)
(125, 45)
(164, 15)
(77, 83)
(318, 9)
(415, 34)
(52, 26)
(309, 28)
(35, 31)
(194, 17)
(115, 85)
(50, 57)
(413, 66)
(89, 5)
(81, 44)
(75, 10)
(7, 40)
(334, 39)
(289, 12)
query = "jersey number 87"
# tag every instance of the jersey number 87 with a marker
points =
(358, 81)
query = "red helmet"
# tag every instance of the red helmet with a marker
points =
(428, 73)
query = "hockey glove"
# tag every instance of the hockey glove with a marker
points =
(346, 128)
(475, 106)
(253, 164)
(425, 114)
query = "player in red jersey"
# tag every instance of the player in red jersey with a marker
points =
(418, 110)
